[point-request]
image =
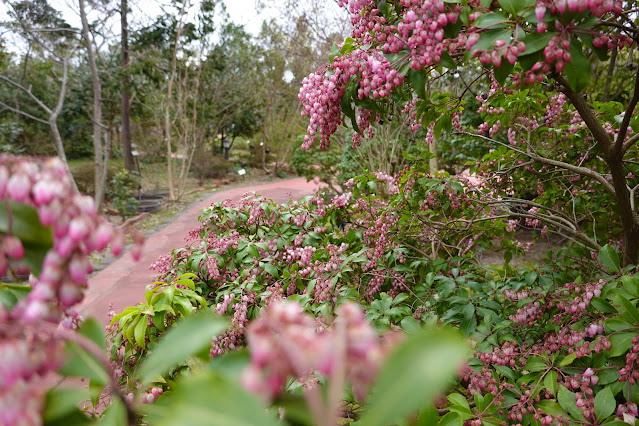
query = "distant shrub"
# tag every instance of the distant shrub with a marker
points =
(206, 167)
(84, 175)
(121, 192)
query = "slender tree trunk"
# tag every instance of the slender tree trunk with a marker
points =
(433, 164)
(169, 101)
(100, 162)
(125, 137)
(628, 218)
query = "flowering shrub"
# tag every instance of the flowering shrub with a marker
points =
(402, 53)
(47, 230)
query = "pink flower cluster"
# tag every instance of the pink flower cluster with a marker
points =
(78, 230)
(321, 93)
(284, 343)
(26, 352)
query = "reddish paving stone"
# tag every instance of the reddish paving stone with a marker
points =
(123, 282)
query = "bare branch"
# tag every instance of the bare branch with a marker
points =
(28, 92)
(629, 143)
(583, 171)
(17, 111)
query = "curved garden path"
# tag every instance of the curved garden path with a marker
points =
(123, 282)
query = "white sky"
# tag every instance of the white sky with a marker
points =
(242, 12)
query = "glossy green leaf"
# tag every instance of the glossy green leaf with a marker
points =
(604, 404)
(80, 363)
(61, 403)
(516, 7)
(208, 399)
(92, 330)
(434, 357)
(270, 269)
(620, 343)
(550, 382)
(607, 255)
(418, 81)
(631, 284)
(187, 337)
(115, 414)
(569, 403)
(630, 310)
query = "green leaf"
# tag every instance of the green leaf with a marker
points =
(620, 343)
(333, 53)
(92, 330)
(550, 382)
(578, 75)
(184, 339)
(411, 325)
(607, 255)
(434, 357)
(457, 399)
(604, 404)
(208, 399)
(140, 331)
(602, 305)
(569, 403)
(80, 363)
(631, 284)
(516, 7)
(503, 71)
(551, 407)
(270, 269)
(36, 239)
(490, 20)
(62, 402)
(115, 414)
(631, 313)
(418, 81)
(535, 42)
(536, 363)
(95, 391)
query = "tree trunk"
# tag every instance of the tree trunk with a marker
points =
(169, 101)
(100, 162)
(433, 164)
(125, 136)
(628, 217)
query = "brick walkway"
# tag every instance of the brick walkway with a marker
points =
(123, 282)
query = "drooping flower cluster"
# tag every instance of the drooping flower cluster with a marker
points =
(322, 92)
(284, 343)
(77, 231)
(29, 350)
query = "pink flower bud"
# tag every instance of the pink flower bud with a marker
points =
(78, 229)
(42, 293)
(4, 179)
(43, 192)
(540, 11)
(69, 294)
(136, 252)
(12, 246)
(117, 243)
(78, 268)
(35, 312)
(18, 187)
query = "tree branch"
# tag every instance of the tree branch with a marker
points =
(39, 120)
(28, 92)
(629, 143)
(585, 112)
(623, 128)
(583, 171)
